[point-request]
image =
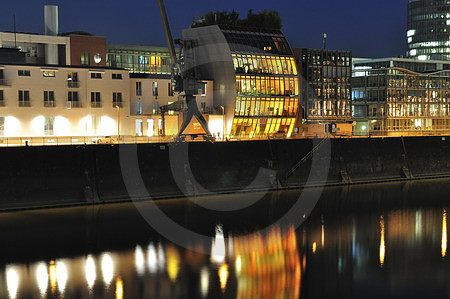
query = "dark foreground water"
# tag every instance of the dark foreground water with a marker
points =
(376, 241)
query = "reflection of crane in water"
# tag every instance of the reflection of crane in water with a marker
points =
(185, 83)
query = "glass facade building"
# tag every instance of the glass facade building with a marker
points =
(392, 100)
(139, 59)
(429, 29)
(255, 77)
(326, 88)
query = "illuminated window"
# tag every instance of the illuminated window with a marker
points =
(49, 73)
(155, 89)
(2, 126)
(49, 122)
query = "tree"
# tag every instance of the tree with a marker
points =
(266, 19)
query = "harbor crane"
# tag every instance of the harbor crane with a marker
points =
(185, 83)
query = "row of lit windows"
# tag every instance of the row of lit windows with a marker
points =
(153, 64)
(332, 92)
(411, 110)
(266, 106)
(270, 86)
(329, 108)
(254, 64)
(403, 94)
(417, 124)
(254, 127)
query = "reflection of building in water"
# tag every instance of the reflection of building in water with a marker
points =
(268, 267)
(444, 235)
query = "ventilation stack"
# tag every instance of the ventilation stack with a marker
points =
(51, 29)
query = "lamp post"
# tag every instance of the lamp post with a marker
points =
(118, 122)
(223, 119)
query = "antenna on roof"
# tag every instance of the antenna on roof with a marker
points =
(324, 36)
(15, 33)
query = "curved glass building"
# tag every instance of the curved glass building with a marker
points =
(429, 29)
(256, 81)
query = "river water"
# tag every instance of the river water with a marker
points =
(368, 241)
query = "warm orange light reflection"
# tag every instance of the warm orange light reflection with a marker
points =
(173, 263)
(444, 235)
(323, 235)
(119, 288)
(382, 244)
(314, 247)
(52, 275)
(223, 276)
(269, 265)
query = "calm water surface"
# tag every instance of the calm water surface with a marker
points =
(375, 241)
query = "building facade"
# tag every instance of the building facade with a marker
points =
(429, 29)
(255, 78)
(326, 88)
(43, 101)
(396, 101)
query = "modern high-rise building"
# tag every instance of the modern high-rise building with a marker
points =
(429, 29)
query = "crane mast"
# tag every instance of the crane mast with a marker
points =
(185, 84)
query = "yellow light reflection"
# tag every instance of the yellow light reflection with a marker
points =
(119, 288)
(107, 269)
(61, 276)
(314, 247)
(382, 243)
(204, 281)
(152, 259)
(323, 235)
(444, 234)
(12, 281)
(52, 274)
(173, 263)
(139, 261)
(223, 276)
(91, 274)
(238, 264)
(42, 278)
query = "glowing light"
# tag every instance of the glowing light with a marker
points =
(12, 281)
(238, 264)
(364, 128)
(314, 247)
(152, 259)
(42, 278)
(91, 274)
(62, 126)
(161, 257)
(382, 244)
(422, 57)
(150, 127)
(52, 274)
(173, 263)
(139, 260)
(215, 126)
(223, 276)
(323, 235)
(107, 269)
(204, 281)
(37, 125)
(119, 288)
(108, 126)
(444, 234)
(218, 246)
(12, 126)
(61, 276)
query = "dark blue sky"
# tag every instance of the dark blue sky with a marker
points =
(368, 28)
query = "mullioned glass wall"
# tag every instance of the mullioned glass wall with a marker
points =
(267, 84)
(400, 100)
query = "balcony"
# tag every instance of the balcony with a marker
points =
(96, 104)
(73, 104)
(24, 103)
(117, 104)
(49, 104)
(3, 82)
(73, 84)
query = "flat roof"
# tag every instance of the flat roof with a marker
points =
(361, 60)
(64, 66)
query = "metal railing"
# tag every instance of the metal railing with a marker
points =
(49, 104)
(96, 104)
(73, 84)
(24, 103)
(3, 82)
(117, 104)
(73, 104)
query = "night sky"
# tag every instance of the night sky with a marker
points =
(368, 28)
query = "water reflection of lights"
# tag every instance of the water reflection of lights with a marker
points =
(152, 259)
(42, 278)
(444, 234)
(223, 276)
(119, 288)
(161, 257)
(238, 264)
(139, 260)
(12, 281)
(107, 269)
(323, 235)
(61, 276)
(173, 263)
(91, 274)
(52, 274)
(204, 281)
(382, 243)
(314, 247)
(218, 246)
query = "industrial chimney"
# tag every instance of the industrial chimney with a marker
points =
(51, 28)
